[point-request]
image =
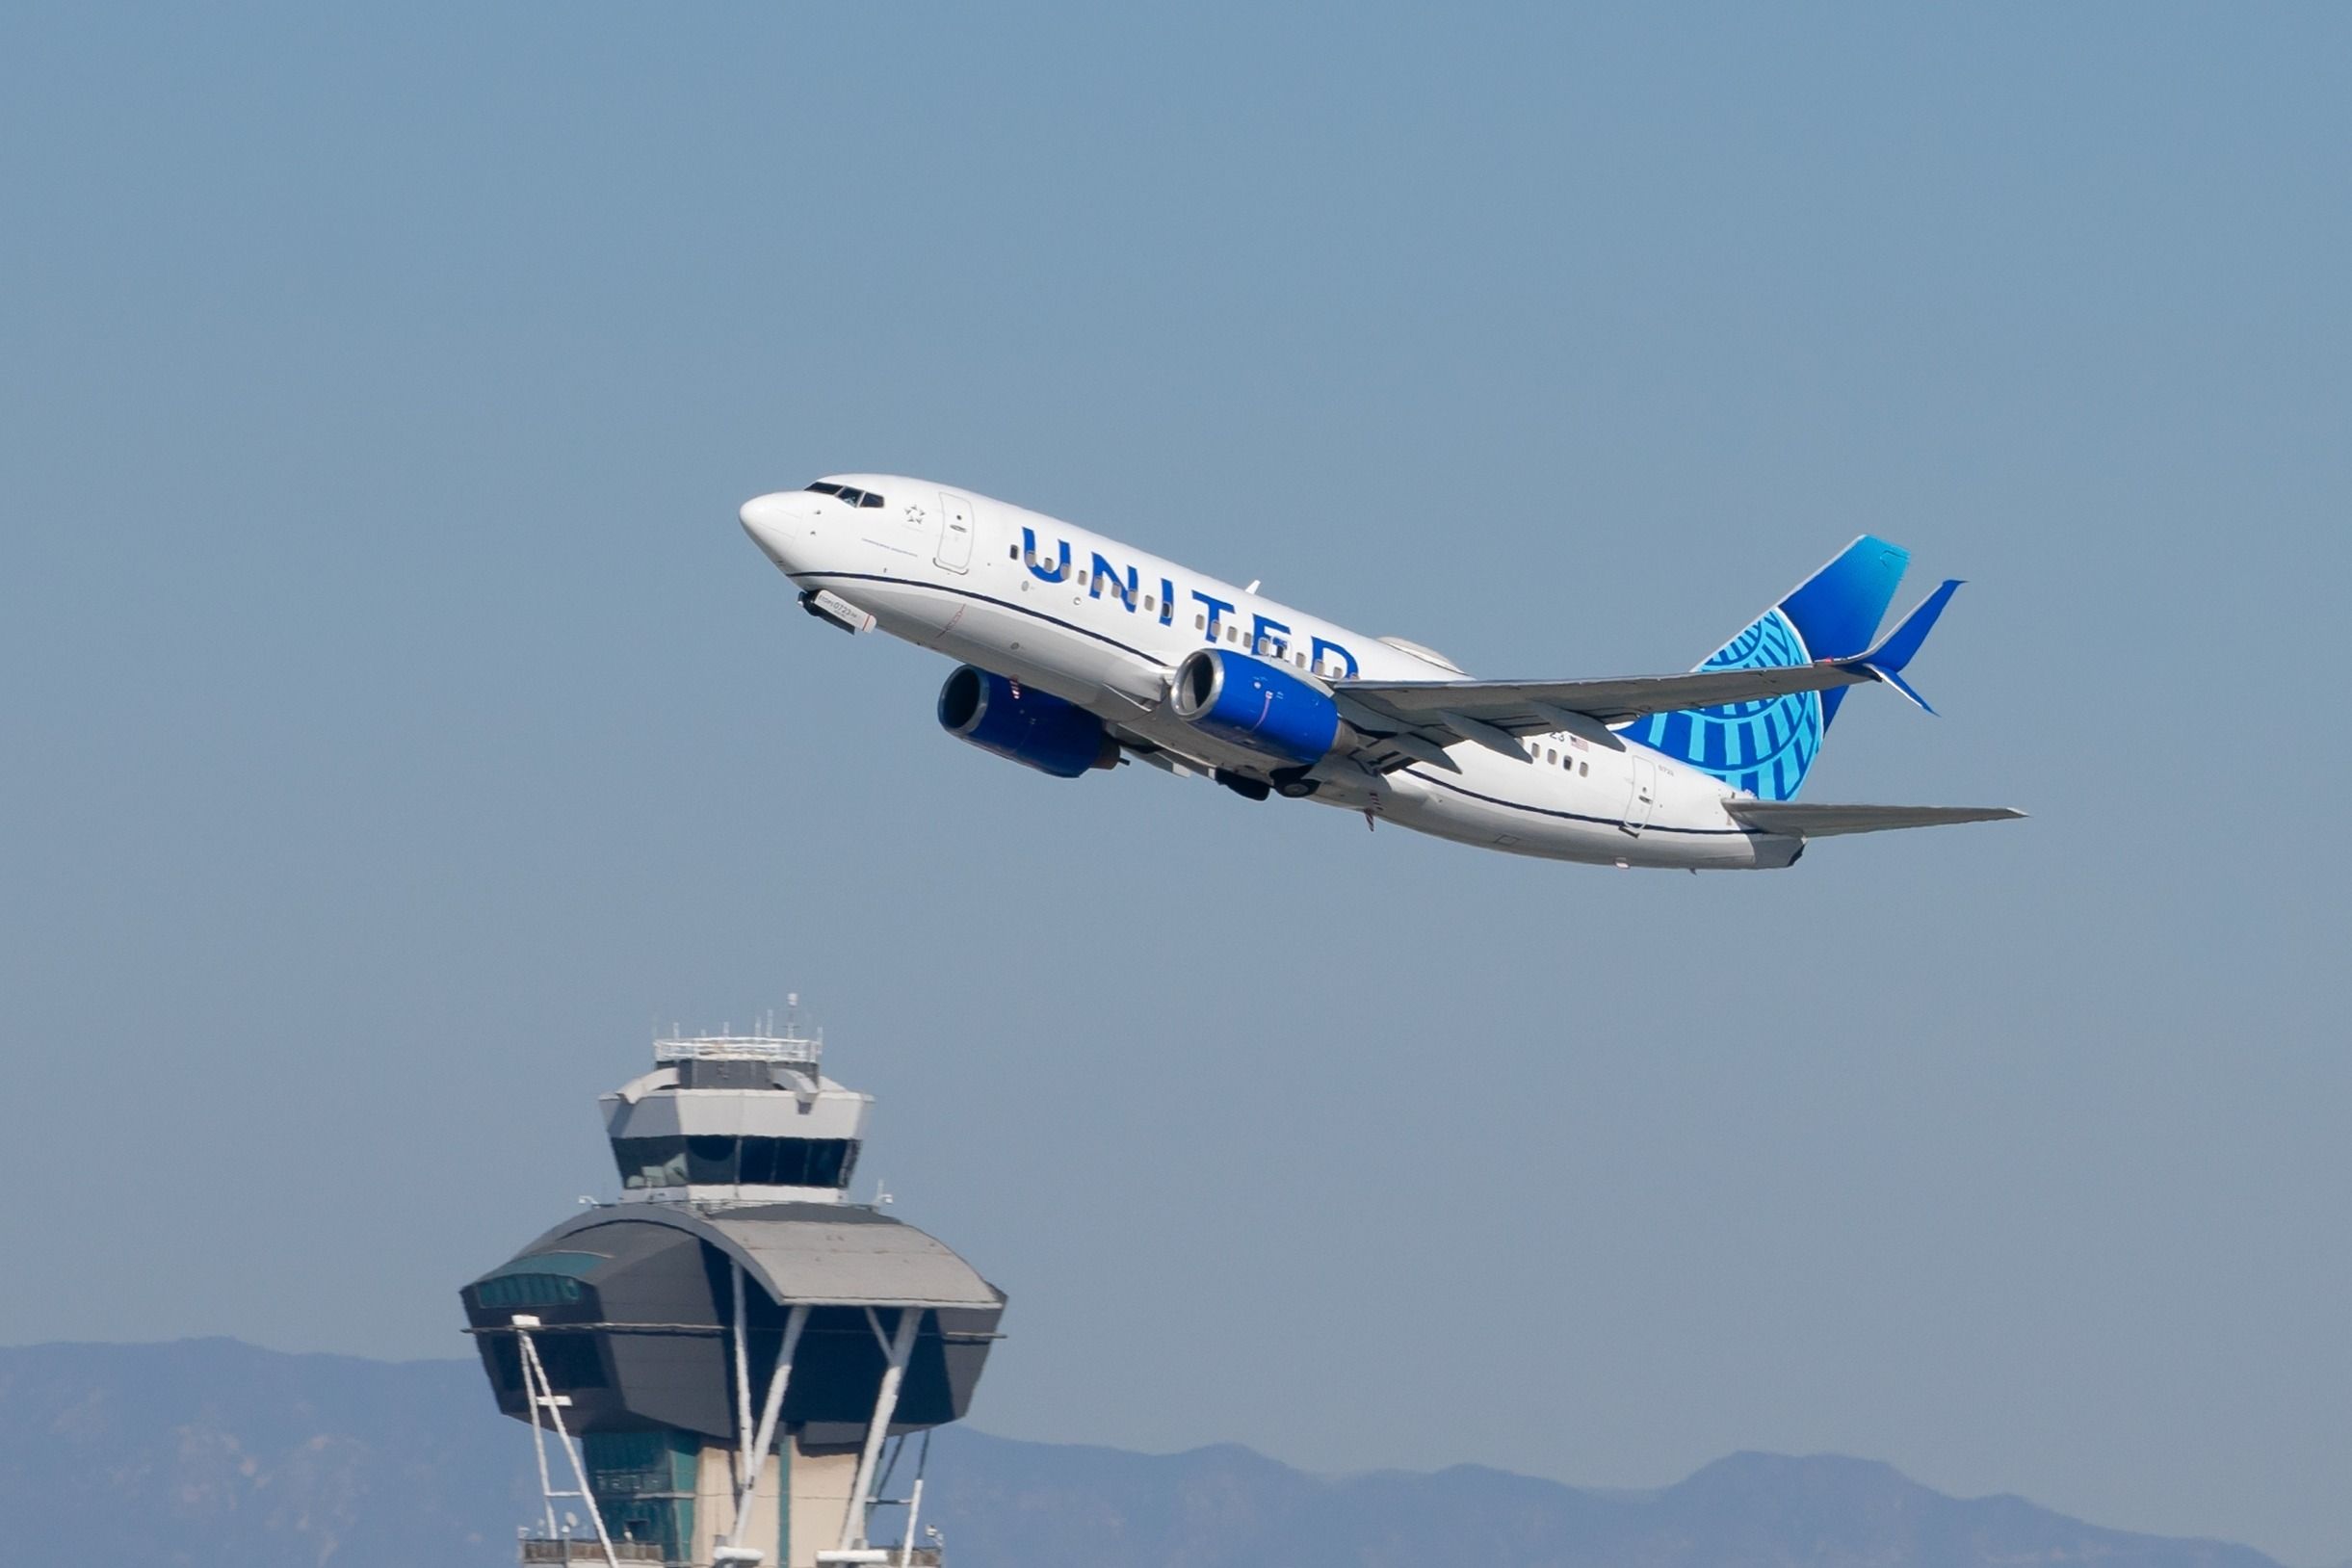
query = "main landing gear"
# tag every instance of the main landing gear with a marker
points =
(1291, 783)
(1242, 785)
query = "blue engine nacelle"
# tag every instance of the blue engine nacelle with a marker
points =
(1259, 705)
(1034, 729)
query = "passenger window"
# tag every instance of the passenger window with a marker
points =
(1012, 552)
(1147, 602)
(1299, 659)
(1200, 623)
(1081, 577)
(1551, 755)
(1232, 633)
(1583, 767)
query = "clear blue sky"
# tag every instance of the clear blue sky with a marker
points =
(397, 723)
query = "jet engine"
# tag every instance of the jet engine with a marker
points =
(1034, 729)
(1252, 703)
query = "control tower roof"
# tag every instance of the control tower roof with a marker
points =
(817, 1254)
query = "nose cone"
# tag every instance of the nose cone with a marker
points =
(773, 520)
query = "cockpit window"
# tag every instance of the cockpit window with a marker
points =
(849, 494)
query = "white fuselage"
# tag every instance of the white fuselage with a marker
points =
(985, 583)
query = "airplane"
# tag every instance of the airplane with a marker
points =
(1077, 653)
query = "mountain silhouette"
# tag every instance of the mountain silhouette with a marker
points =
(211, 1453)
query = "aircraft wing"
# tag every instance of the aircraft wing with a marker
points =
(1167, 759)
(1535, 707)
(1416, 714)
(1401, 719)
(1815, 821)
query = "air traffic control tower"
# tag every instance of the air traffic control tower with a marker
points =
(733, 1364)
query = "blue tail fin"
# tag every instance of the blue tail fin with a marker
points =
(1767, 748)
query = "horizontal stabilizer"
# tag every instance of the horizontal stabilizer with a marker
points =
(1891, 652)
(1815, 821)
(1894, 651)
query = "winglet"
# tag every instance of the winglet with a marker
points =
(1885, 660)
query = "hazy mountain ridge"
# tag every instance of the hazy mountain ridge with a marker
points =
(208, 1453)
(1211, 1507)
(211, 1451)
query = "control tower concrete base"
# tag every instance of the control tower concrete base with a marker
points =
(818, 1483)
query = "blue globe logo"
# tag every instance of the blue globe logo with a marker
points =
(1763, 747)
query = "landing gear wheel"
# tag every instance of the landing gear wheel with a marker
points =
(1294, 784)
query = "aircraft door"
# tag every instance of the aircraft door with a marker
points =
(955, 527)
(1642, 799)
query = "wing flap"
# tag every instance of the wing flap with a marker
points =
(1819, 819)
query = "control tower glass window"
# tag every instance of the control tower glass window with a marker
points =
(729, 1161)
(710, 1162)
(526, 1291)
(798, 1162)
(650, 1161)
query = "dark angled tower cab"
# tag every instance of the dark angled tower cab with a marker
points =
(733, 1302)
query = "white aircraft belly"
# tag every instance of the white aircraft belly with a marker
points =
(1524, 809)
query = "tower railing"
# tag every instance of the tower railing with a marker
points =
(572, 1549)
(784, 1050)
